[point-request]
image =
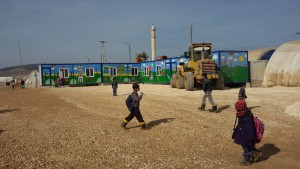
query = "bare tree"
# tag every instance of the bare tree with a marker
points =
(142, 56)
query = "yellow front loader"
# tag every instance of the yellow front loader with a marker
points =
(200, 61)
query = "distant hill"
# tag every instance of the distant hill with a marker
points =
(15, 71)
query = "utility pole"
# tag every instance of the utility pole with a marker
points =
(20, 59)
(191, 32)
(103, 51)
(129, 51)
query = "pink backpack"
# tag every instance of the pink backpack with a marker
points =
(260, 128)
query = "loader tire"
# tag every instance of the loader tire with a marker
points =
(173, 81)
(218, 84)
(180, 82)
(189, 81)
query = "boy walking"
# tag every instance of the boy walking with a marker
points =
(207, 88)
(136, 108)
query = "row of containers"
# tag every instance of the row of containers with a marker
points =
(233, 65)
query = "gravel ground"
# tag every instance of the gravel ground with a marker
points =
(79, 127)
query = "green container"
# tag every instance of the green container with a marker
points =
(233, 65)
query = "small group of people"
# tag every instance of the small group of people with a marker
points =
(13, 83)
(245, 134)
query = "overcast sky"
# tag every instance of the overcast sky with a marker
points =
(69, 31)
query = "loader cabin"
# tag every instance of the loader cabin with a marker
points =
(199, 51)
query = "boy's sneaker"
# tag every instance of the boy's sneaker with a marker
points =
(124, 125)
(202, 107)
(144, 127)
(214, 109)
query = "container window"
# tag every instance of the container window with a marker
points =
(113, 71)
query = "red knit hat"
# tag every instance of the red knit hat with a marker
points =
(241, 107)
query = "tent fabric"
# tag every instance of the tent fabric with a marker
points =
(32, 80)
(4, 80)
(283, 68)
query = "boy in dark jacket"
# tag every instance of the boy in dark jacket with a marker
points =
(207, 88)
(136, 108)
(114, 86)
(242, 93)
(245, 133)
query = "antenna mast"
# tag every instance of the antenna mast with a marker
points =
(20, 59)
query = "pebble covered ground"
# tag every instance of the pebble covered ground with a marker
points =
(79, 127)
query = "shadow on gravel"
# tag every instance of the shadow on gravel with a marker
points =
(159, 121)
(252, 107)
(268, 150)
(121, 94)
(1, 131)
(6, 111)
(220, 109)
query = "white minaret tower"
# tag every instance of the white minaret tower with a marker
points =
(153, 42)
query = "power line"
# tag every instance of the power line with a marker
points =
(271, 41)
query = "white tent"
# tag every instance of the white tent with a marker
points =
(32, 80)
(283, 68)
(4, 80)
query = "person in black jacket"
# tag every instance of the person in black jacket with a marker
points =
(136, 108)
(207, 88)
(114, 86)
(22, 84)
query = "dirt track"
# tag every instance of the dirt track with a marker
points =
(80, 128)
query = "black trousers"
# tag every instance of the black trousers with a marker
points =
(114, 91)
(248, 148)
(135, 113)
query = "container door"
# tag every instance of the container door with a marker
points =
(171, 68)
(80, 74)
(46, 77)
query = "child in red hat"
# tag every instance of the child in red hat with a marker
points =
(245, 133)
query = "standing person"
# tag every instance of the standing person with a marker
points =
(22, 84)
(62, 81)
(207, 88)
(13, 82)
(245, 133)
(59, 82)
(136, 108)
(242, 93)
(114, 86)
